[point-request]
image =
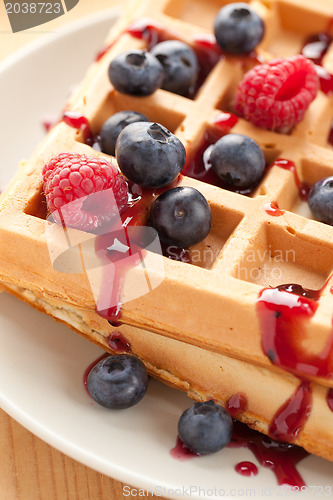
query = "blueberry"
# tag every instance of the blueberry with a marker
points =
(321, 200)
(114, 125)
(136, 72)
(238, 160)
(181, 216)
(149, 154)
(180, 66)
(205, 427)
(238, 28)
(118, 382)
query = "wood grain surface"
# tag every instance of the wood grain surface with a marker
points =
(29, 468)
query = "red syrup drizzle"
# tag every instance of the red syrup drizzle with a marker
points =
(79, 122)
(236, 404)
(303, 188)
(136, 214)
(181, 452)
(118, 343)
(280, 458)
(329, 399)
(272, 208)
(283, 313)
(315, 48)
(103, 51)
(293, 414)
(246, 469)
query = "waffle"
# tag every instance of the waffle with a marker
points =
(199, 329)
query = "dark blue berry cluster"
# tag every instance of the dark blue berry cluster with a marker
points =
(171, 65)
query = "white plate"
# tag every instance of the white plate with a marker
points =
(42, 362)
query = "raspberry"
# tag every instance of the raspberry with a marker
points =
(71, 178)
(275, 95)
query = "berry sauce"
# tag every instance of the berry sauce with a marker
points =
(280, 458)
(325, 80)
(118, 343)
(136, 214)
(90, 367)
(225, 121)
(315, 47)
(236, 404)
(329, 399)
(303, 188)
(79, 122)
(246, 469)
(292, 415)
(283, 313)
(181, 452)
(272, 208)
(104, 50)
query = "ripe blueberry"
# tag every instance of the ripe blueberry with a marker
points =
(205, 427)
(181, 216)
(149, 154)
(136, 72)
(114, 125)
(238, 160)
(238, 28)
(180, 66)
(118, 382)
(321, 200)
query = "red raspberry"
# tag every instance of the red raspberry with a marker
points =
(275, 95)
(72, 177)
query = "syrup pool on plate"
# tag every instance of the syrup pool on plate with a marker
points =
(280, 458)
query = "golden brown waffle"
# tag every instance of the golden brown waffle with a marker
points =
(199, 329)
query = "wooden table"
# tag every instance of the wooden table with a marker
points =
(29, 468)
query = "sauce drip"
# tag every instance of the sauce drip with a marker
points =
(303, 188)
(236, 404)
(315, 47)
(292, 415)
(79, 122)
(181, 452)
(280, 458)
(118, 342)
(116, 265)
(272, 208)
(283, 313)
(246, 469)
(225, 121)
